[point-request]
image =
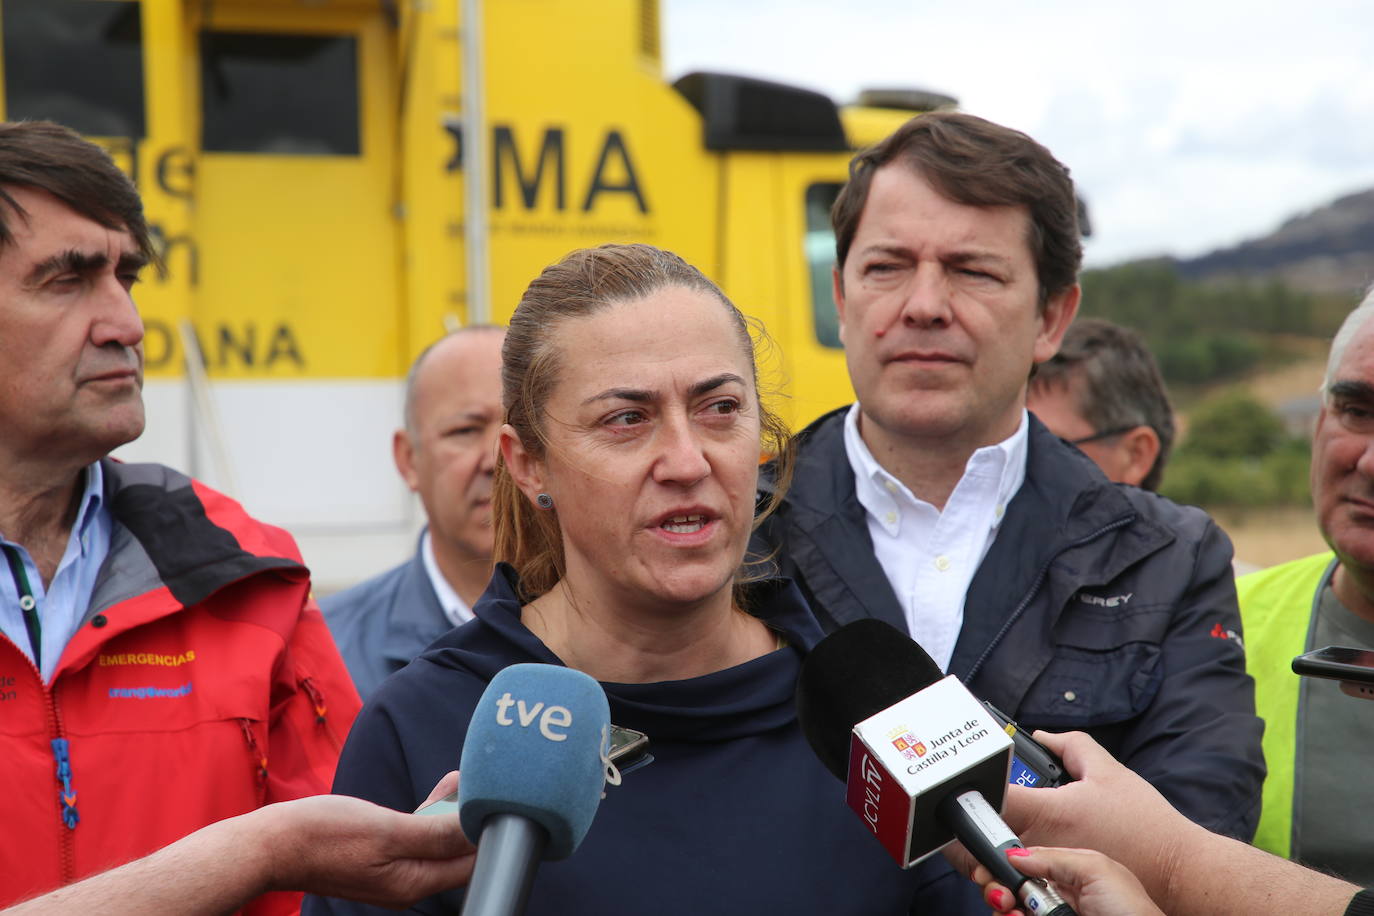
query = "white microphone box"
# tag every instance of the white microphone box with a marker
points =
(903, 760)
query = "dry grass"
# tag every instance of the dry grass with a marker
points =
(1301, 379)
(1272, 387)
(1267, 537)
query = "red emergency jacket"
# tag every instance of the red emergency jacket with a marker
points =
(201, 684)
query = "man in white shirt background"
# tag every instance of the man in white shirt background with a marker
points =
(446, 453)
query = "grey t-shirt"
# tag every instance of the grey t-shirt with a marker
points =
(1333, 792)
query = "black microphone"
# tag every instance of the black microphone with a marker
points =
(924, 761)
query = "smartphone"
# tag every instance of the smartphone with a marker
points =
(627, 746)
(1340, 663)
(629, 751)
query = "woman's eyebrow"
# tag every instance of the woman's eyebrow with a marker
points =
(645, 395)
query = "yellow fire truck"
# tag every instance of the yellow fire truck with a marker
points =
(302, 162)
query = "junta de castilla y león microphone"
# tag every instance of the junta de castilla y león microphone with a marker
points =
(923, 760)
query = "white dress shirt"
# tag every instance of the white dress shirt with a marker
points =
(455, 608)
(930, 555)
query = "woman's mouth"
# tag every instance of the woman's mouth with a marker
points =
(684, 524)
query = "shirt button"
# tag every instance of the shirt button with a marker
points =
(1001, 509)
(1070, 696)
(890, 518)
(99, 620)
(891, 487)
(942, 563)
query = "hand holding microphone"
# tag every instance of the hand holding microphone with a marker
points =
(1097, 884)
(1143, 832)
(924, 761)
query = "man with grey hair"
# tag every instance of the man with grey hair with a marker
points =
(1322, 600)
(446, 453)
(162, 664)
(1103, 393)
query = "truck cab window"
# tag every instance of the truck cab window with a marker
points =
(279, 94)
(77, 62)
(820, 259)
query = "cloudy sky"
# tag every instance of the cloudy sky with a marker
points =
(1188, 124)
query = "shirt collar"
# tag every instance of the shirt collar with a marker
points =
(455, 608)
(1006, 459)
(877, 490)
(94, 496)
(92, 503)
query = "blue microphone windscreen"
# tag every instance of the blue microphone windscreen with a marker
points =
(534, 748)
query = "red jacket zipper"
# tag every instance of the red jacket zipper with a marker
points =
(321, 710)
(259, 758)
(65, 795)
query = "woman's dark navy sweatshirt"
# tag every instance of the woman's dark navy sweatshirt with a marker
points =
(734, 815)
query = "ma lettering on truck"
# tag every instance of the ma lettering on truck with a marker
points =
(302, 167)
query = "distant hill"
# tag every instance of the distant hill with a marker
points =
(1326, 250)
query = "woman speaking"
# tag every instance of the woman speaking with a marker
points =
(624, 501)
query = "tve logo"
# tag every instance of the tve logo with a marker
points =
(553, 716)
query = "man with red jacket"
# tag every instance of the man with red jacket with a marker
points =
(162, 665)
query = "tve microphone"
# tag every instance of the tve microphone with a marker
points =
(532, 773)
(923, 760)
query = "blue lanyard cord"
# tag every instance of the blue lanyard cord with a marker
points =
(27, 604)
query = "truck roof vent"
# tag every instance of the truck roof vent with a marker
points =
(649, 30)
(906, 99)
(743, 113)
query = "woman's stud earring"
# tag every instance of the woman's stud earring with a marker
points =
(544, 500)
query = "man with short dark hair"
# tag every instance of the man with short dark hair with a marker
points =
(446, 452)
(1103, 393)
(937, 504)
(161, 663)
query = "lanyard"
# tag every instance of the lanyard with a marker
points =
(27, 604)
(60, 749)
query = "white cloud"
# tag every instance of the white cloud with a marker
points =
(1188, 124)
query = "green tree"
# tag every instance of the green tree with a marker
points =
(1233, 425)
(1237, 455)
(1209, 331)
